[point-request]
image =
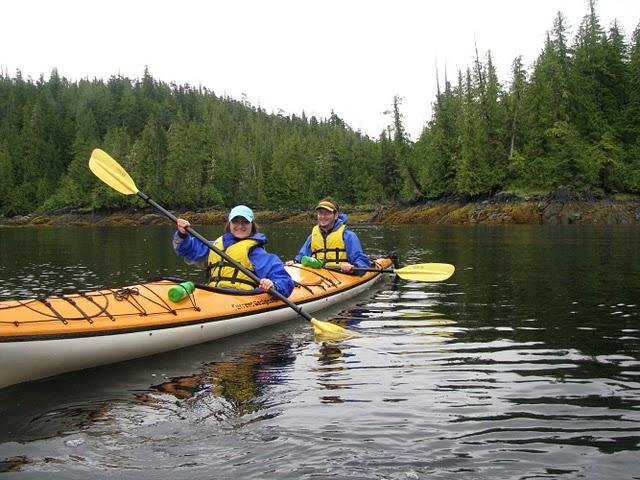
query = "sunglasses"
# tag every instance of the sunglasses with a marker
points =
(240, 221)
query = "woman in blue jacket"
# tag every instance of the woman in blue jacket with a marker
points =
(242, 242)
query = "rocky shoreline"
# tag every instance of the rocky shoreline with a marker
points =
(519, 212)
(494, 211)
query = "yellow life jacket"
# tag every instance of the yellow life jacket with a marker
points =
(331, 248)
(224, 275)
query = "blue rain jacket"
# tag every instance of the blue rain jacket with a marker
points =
(265, 265)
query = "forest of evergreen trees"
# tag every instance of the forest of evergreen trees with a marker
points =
(572, 120)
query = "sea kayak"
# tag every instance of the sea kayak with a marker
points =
(44, 337)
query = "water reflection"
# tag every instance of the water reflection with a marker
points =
(246, 386)
(14, 464)
(525, 364)
(234, 391)
(330, 354)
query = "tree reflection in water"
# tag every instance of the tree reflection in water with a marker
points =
(237, 389)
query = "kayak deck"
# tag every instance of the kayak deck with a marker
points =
(147, 306)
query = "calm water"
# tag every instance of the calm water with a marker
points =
(525, 364)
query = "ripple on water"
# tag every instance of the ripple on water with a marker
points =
(516, 370)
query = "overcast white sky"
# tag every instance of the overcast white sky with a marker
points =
(350, 56)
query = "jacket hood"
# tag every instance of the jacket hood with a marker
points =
(342, 218)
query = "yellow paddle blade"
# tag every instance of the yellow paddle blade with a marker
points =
(330, 330)
(110, 172)
(426, 272)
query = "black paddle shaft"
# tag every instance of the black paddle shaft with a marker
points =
(357, 269)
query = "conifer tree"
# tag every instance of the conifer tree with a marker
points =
(545, 105)
(631, 117)
(8, 183)
(436, 152)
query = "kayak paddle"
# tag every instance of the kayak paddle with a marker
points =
(420, 272)
(110, 172)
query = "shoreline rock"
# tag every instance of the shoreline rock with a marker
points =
(519, 212)
(494, 211)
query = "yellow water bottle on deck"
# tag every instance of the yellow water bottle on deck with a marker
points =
(181, 291)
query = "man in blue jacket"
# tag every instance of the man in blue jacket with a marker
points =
(332, 241)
